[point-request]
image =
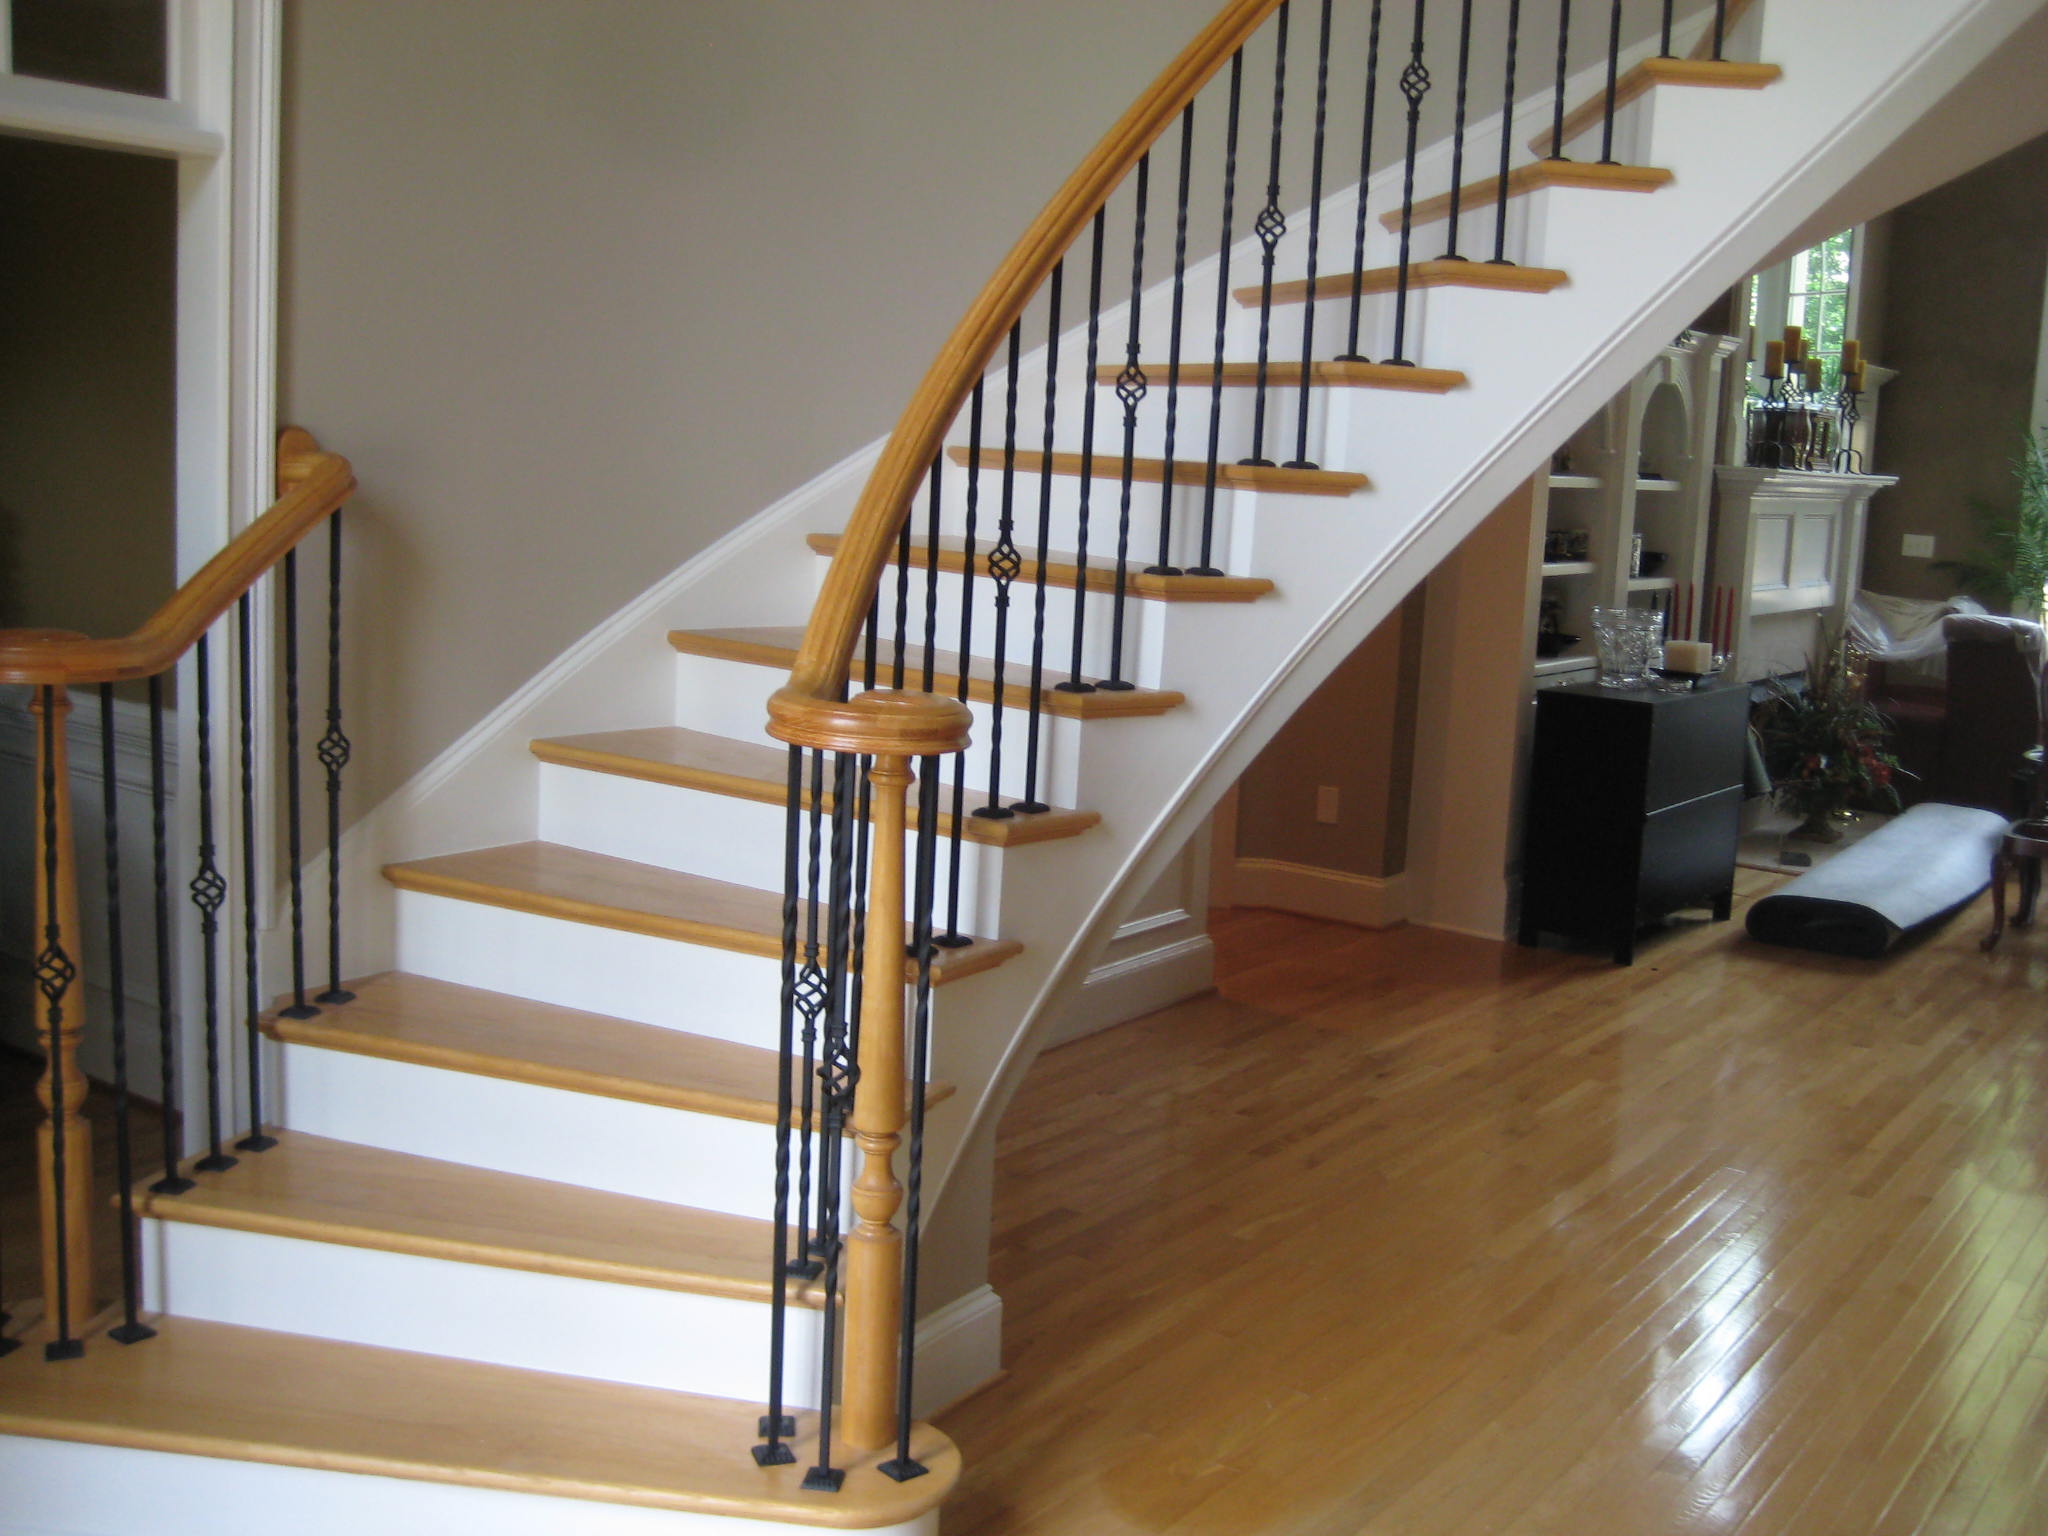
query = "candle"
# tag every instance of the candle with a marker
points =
(1852, 356)
(1795, 343)
(1774, 359)
(1813, 367)
(1854, 380)
(1695, 656)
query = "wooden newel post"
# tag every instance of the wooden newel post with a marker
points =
(874, 1248)
(64, 1146)
(892, 728)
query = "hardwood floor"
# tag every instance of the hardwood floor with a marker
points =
(1413, 1233)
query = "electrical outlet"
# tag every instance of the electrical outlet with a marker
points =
(1326, 804)
(1917, 546)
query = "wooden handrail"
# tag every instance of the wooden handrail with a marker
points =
(820, 672)
(313, 484)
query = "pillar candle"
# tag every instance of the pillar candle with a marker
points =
(1813, 367)
(1852, 356)
(1774, 359)
(1694, 656)
(1795, 343)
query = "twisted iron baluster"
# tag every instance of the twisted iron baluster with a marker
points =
(896, 672)
(131, 1329)
(1271, 228)
(1351, 354)
(55, 971)
(1004, 564)
(1315, 229)
(1206, 565)
(172, 1182)
(1613, 83)
(294, 819)
(1507, 132)
(1458, 132)
(1130, 389)
(333, 750)
(931, 573)
(1164, 566)
(1564, 39)
(1073, 682)
(252, 1001)
(810, 998)
(775, 1425)
(1414, 86)
(208, 891)
(953, 938)
(1031, 804)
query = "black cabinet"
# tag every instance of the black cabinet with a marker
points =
(1634, 798)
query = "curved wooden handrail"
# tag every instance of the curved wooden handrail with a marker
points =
(819, 675)
(313, 483)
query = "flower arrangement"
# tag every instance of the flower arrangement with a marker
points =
(1825, 746)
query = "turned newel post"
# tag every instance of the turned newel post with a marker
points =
(891, 728)
(64, 1145)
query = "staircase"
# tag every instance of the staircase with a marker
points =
(507, 1268)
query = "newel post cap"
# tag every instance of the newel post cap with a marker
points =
(883, 722)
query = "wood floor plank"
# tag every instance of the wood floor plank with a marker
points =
(1424, 1234)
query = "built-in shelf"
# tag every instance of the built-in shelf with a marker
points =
(1656, 485)
(1551, 666)
(1652, 583)
(1574, 483)
(1568, 568)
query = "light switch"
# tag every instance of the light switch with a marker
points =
(1918, 546)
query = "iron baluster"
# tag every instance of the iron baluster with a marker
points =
(902, 1466)
(1271, 227)
(131, 1329)
(931, 575)
(953, 938)
(1130, 389)
(293, 820)
(1031, 804)
(1351, 352)
(1164, 566)
(1613, 83)
(1458, 132)
(1205, 559)
(1414, 86)
(1664, 38)
(1507, 133)
(1720, 28)
(811, 997)
(208, 891)
(1564, 39)
(871, 626)
(1073, 682)
(172, 1181)
(252, 1000)
(775, 1425)
(1301, 459)
(1003, 565)
(63, 1102)
(896, 673)
(333, 750)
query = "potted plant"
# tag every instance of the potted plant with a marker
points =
(1825, 746)
(2010, 566)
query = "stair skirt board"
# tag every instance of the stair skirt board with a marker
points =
(709, 1162)
(712, 1345)
(67, 1488)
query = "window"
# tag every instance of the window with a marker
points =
(1814, 291)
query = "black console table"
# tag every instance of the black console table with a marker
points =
(1634, 799)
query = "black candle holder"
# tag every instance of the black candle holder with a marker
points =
(1848, 459)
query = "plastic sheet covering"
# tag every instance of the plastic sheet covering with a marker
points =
(1903, 628)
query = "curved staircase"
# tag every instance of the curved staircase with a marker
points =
(507, 1269)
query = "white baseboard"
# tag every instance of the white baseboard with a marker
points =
(1364, 900)
(1134, 985)
(959, 1350)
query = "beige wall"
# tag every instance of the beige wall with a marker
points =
(580, 287)
(86, 374)
(1961, 321)
(1355, 734)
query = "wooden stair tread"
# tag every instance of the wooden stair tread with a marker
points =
(584, 887)
(247, 1394)
(1494, 276)
(434, 1023)
(1062, 569)
(1524, 179)
(1186, 472)
(1719, 74)
(1287, 375)
(777, 647)
(331, 1191)
(746, 770)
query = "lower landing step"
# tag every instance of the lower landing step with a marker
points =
(224, 1430)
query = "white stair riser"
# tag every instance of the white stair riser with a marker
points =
(55, 1488)
(721, 836)
(709, 1161)
(635, 1334)
(667, 982)
(723, 697)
